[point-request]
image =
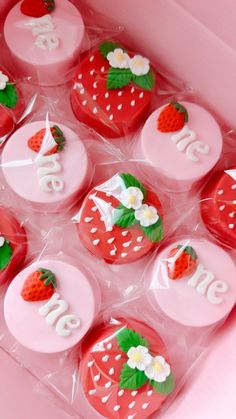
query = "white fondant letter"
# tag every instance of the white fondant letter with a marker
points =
(47, 41)
(197, 147)
(183, 138)
(41, 25)
(201, 287)
(216, 287)
(54, 167)
(53, 309)
(67, 323)
(51, 183)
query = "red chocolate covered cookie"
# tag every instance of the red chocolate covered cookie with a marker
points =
(112, 90)
(120, 220)
(218, 206)
(125, 371)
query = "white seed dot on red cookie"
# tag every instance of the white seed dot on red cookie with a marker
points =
(94, 230)
(132, 90)
(124, 233)
(95, 85)
(80, 76)
(108, 384)
(120, 93)
(108, 107)
(234, 202)
(231, 226)
(116, 408)
(113, 252)
(97, 377)
(102, 69)
(232, 214)
(149, 393)
(88, 219)
(119, 107)
(111, 117)
(127, 244)
(137, 248)
(104, 399)
(222, 207)
(141, 95)
(109, 346)
(145, 405)
(92, 392)
(105, 358)
(110, 229)
(111, 371)
(95, 110)
(120, 393)
(111, 240)
(132, 103)
(90, 363)
(131, 416)
(220, 192)
(106, 95)
(94, 97)
(96, 242)
(132, 404)
(94, 209)
(133, 393)
(92, 72)
(82, 91)
(118, 357)
(234, 186)
(84, 103)
(123, 255)
(91, 58)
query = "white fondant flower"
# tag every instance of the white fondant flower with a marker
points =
(118, 58)
(158, 370)
(139, 65)
(3, 80)
(146, 215)
(131, 197)
(2, 241)
(139, 358)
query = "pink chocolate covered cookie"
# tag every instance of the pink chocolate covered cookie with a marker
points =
(11, 103)
(43, 43)
(47, 167)
(120, 220)
(51, 304)
(13, 245)
(218, 206)
(125, 371)
(181, 142)
(112, 90)
(190, 285)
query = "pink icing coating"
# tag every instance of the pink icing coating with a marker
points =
(161, 152)
(75, 285)
(183, 303)
(23, 178)
(48, 67)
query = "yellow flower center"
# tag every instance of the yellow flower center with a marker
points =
(136, 357)
(132, 199)
(148, 214)
(157, 366)
(139, 63)
(119, 56)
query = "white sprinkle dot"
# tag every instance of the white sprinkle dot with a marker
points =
(104, 399)
(80, 76)
(116, 408)
(106, 95)
(84, 103)
(81, 91)
(94, 209)
(90, 364)
(109, 346)
(102, 69)
(97, 377)
(113, 252)
(124, 233)
(145, 405)
(111, 240)
(120, 93)
(91, 58)
(234, 186)
(119, 107)
(123, 255)
(111, 117)
(149, 393)
(132, 103)
(127, 244)
(132, 404)
(120, 393)
(118, 357)
(137, 248)
(109, 228)
(132, 90)
(222, 207)
(95, 85)
(141, 95)
(92, 72)
(105, 358)
(232, 214)
(108, 384)
(139, 239)
(88, 219)
(133, 393)
(96, 242)
(231, 226)
(108, 107)
(92, 392)
(111, 371)
(95, 110)
(94, 230)
(220, 192)
(94, 97)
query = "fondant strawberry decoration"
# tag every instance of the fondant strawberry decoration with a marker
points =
(40, 285)
(172, 118)
(5, 253)
(218, 206)
(37, 8)
(120, 220)
(36, 142)
(125, 371)
(112, 89)
(181, 262)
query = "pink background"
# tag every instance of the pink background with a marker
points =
(196, 41)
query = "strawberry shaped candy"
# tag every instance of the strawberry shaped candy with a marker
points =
(112, 90)
(40, 140)
(172, 118)
(181, 262)
(218, 206)
(37, 8)
(120, 220)
(40, 285)
(10, 106)
(125, 370)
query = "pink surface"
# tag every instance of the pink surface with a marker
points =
(21, 168)
(186, 304)
(75, 286)
(175, 165)
(48, 65)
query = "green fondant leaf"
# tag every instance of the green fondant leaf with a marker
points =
(164, 388)
(128, 338)
(130, 180)
(8, 96)
(146, 82)
(5, 255)
(124, 217)
(189, 250)
(154, 232)
(132, 379)
(118, 78)
(107, 47)
(181, 109)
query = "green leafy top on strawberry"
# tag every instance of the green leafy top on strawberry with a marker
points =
(47, 277)
(37, 8)
(5, 254)
(59, 137)
(9, 96)
(134, 378)
(127, 217)
(181, 109)
(189, 250)
(125, 70)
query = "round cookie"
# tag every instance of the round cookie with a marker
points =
(11, 103)
(190, 284)
(120, 220)
(13, 245)
(47, 167)
(44, 46)
(51, 304)
(125, 370)
(181, 142)
(218, 206)
(112, 90)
